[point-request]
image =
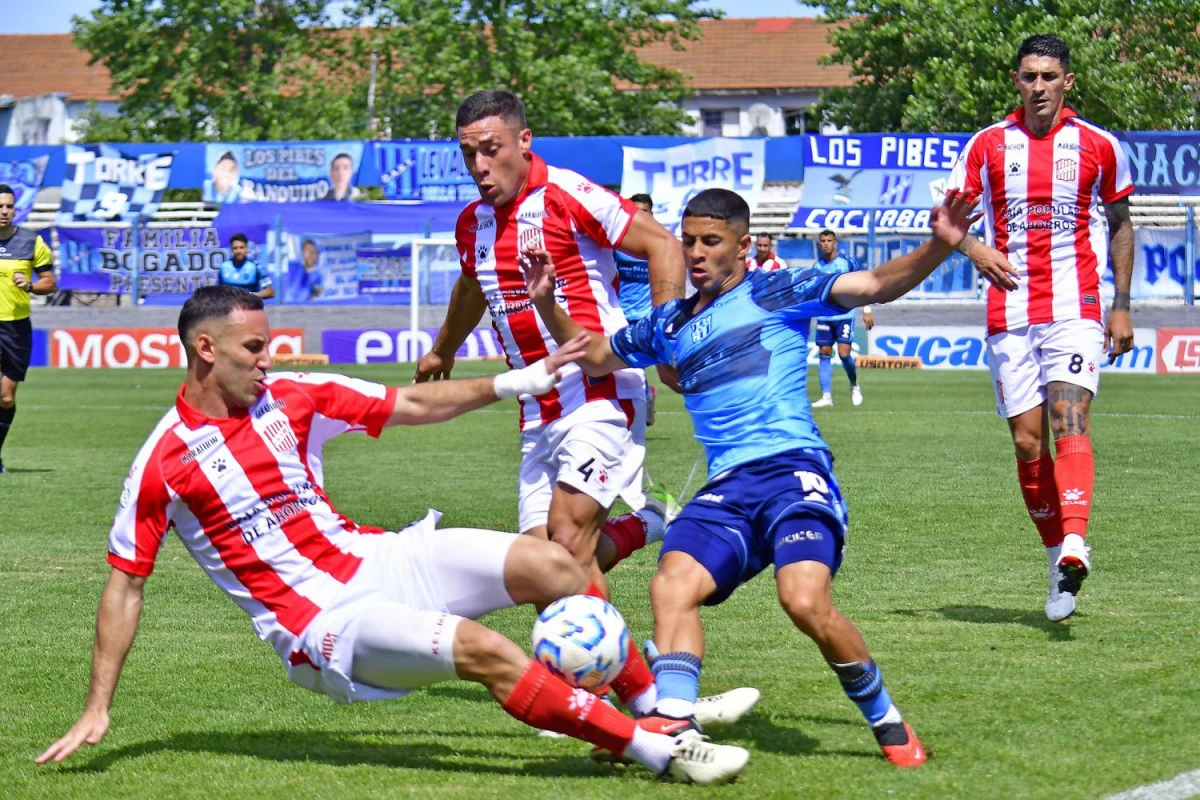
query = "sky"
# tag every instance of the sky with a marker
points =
(54, 16)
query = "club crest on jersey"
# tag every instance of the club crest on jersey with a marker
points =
(280, 435)
(701, 329)
(1065, 169)
(529, 238)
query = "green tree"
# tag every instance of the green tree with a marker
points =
(573, 62)
(197, 70)
(945, 65)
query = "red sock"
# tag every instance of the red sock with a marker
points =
(636, 677)
(1075, 475)
(1041, 498)
(628, 534)
(543, 701)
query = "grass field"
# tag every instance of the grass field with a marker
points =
(944, 574)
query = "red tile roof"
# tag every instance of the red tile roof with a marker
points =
(49, 63)
(767, 53)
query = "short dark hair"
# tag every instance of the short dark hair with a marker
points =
(642, 198)
(766, 236)
(719, 204)
(239, 237)
(491, 103)
(213, 302)
(1043, 44)
(826, 232)
(6, 189)
(346, 156)
(226, 156)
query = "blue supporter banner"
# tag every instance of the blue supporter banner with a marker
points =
(895, 177)
(25, 178)
(1164, 163)
(105, 184)
(281, 172)
(173, 261)
(321, 269)
(430, 171)
(385, 270)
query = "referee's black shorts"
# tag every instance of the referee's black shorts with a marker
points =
(16, 345)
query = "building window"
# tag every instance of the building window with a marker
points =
(801, 120)
(711, 122)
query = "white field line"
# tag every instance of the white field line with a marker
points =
(1181, 787)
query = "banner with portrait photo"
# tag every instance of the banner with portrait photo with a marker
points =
(430, 171)
(105, 184)
(171, 261)
(385, 270)
(321, 268)
(281, 172)
(25, 179)
(672, 175)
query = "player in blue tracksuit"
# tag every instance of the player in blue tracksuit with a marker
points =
(633, 292)
(839, 328)
(241, 272)
(740, 346)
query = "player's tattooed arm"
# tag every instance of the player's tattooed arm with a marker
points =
(990, 263)
(1118, 330)
(1069, 407)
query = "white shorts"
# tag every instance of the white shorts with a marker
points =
(595, 449)
(428, 581)
(1024, 360)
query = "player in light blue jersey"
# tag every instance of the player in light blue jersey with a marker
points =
(633, 293)
(838, 328)
(741, 348)
(242, 273)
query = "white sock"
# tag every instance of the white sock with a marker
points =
(651, 750)
(654, 524)
(643, 704)
(892, 715)
(676, 707)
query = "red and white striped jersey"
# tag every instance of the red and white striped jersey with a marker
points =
(244, 495)
(1040, 201)
(580, 224)
(772, 263)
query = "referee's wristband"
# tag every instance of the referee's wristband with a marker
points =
(28, 286)
(866, 309)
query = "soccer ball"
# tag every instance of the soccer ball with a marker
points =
(581, 639)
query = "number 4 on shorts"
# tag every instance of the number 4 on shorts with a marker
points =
(586, 469)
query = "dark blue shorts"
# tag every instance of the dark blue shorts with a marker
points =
(780, 510)
(839, 330)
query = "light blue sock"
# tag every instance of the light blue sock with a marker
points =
(825, 374)
(851, 370)
(677, 682)
(863, 684)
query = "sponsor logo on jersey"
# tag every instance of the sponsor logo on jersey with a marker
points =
(712, 498)
(263, 410)
(799, 536)
(1075, 146)
(1005, 148)
(199, 450)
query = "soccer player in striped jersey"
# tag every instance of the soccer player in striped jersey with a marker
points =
(580, 448)
(353, 612)
(838, 329)
(741, 347)
(1043, 172)
(764, 257)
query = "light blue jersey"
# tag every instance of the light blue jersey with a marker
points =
(742, 362)
(838, 266)
(247, 275)
(633, 290)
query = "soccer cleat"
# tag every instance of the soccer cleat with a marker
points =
(663, 503)
(726, 708)
(856, 396)
(1073, 564)
(899, 744)
(1059, 604)
(667, 726)
(696, 760)
(825, 401)
(2, 469)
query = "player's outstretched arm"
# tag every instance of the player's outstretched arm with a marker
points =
(1118, 329)
(425, 403)
(894, 278)
(116, 625)
(648, 239)
(540, 279)
(466, 308)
